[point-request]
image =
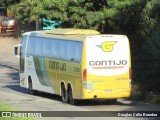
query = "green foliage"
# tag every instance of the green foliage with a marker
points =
(147, 63)
(7, 3)
(7, 107)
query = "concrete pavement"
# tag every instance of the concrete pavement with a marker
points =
(8, 62)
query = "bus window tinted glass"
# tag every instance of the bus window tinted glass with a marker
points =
(38, 46)
(55, 49)
(78, 51)
(31, 46)
(63, 50)
(47, 47)
(70, 51)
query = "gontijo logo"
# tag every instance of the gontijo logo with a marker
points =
(107, 46)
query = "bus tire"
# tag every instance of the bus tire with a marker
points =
(64, 94)
(30, 87)
(72, 101)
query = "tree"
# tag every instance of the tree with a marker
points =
(74, 13)
(6, 3)
(148, 56)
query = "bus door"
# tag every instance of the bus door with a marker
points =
(22, 61)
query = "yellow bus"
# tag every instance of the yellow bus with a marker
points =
(76, 64)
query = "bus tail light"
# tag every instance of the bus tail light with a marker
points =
(85, 74)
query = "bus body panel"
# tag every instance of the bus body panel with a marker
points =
(107, 62)
(39, 77)
(96, 67)
(64, 71)
(48, 73)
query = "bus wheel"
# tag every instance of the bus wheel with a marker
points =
(64, 94)
(31, 91)
(72, 101)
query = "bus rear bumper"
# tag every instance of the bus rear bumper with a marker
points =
(106, 94)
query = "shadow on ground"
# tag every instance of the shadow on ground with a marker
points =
(96, 102)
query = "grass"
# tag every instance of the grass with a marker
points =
(7, 107)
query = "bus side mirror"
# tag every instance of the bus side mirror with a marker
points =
(17, 50)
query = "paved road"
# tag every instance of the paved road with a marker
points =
(11, 92)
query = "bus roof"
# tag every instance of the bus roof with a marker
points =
(68, 34)
(64, 33)
(72, 31)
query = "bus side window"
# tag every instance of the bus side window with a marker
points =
(78, 51)
(47, 48)
(31, 46)
(70, 51)
(38, 46)
(63, 50)
(55, 49)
